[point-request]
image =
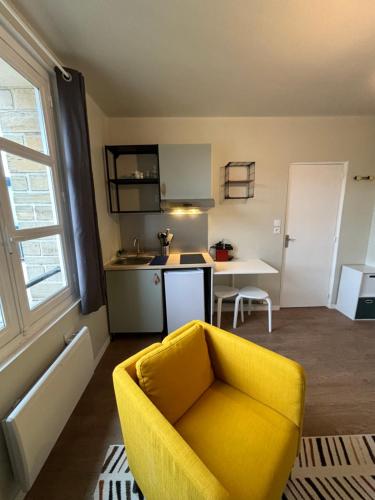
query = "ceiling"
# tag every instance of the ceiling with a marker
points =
(216, 57)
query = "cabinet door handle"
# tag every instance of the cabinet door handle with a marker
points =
(369, 301)
(156, 279)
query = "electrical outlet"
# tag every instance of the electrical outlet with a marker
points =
(276, 230)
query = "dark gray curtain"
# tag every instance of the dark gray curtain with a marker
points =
(73, 128)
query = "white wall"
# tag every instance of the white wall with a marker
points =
(370, 259)
(17, 377)
(109, 227)
(273, 143)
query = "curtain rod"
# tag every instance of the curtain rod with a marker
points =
(67, 76)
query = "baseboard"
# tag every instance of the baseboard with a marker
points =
(256, 307)
(101, 352)
(332, 306)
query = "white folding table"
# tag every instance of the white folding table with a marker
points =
(249, 266)
(236, 266)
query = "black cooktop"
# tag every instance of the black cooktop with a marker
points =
(192, 258)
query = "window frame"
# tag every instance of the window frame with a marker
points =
(16, 307)
(10, 310)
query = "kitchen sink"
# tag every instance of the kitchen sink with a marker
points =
(134, 260)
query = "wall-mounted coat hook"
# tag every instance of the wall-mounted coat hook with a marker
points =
(364, 178)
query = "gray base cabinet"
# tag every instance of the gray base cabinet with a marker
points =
(135, 301)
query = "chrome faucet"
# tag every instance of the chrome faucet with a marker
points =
(136, 245)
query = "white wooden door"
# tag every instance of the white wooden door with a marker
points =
(314, 200)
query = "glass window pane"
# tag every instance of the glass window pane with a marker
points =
(2, 317)
(21, 115)
(43, 268)
(30, 188)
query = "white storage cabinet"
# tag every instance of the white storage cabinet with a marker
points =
(356, 297)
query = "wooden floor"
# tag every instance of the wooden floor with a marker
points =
(338, 356)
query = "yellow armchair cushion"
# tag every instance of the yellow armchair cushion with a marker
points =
(248, 446)
(175, 375)
(264, 375)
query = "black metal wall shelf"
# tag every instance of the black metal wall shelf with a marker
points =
(132, 181)
(142, 149)
(239, 180)
(129, 193)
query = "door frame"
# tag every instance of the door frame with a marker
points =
(345, 167)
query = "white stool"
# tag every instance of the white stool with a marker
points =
(252, 293)
(223, 292)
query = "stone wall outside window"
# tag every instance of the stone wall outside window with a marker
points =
(31, 189)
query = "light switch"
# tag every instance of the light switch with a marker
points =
(277, 223)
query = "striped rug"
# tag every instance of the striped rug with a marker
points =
(327, 468)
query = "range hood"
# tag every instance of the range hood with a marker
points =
(187, 205)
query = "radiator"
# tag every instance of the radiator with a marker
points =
(32, 428)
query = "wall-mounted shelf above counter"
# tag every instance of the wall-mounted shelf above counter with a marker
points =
(133, 178)
(239, 180)
(159, 178)
(132, 181)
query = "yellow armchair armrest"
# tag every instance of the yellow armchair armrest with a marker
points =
(163, 463)
(268, 377)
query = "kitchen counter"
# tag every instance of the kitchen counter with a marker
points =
(173, 262)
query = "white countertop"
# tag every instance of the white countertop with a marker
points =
(235, 266)
(249, 266)
(172, 262)
(363, 268)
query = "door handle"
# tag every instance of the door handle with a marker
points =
(156, 279)
(287, 240)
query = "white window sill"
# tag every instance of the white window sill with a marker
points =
(22, 342)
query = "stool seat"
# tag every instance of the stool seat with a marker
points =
(225, 292)
(252, 292)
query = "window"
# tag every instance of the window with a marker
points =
(34, 267)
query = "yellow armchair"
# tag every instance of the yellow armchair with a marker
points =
(207, 415)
